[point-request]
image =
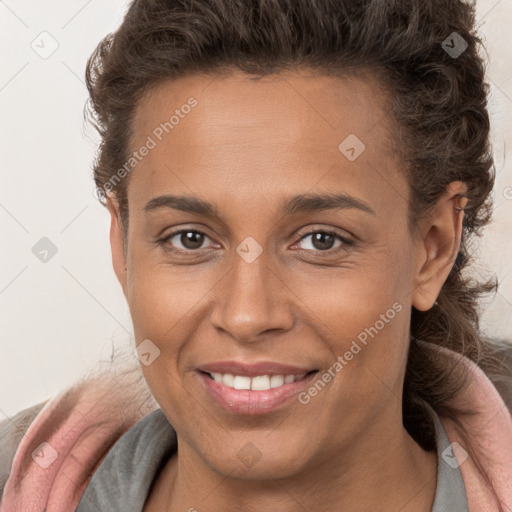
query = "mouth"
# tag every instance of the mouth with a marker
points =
(254, 394)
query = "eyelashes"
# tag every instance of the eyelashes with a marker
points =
(164, 242)
(345, 244)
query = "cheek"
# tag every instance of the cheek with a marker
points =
(364, 313)
(369, 354)
(160, 296)
(350, 298)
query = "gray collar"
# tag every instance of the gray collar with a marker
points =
(123, 479)
(451, 491)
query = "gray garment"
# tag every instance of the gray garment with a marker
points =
(123, 479)
(450, 491)
(12, 431)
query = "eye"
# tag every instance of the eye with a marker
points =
(190, 240)
(323, 241)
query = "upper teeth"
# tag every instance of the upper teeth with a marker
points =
(258, 383)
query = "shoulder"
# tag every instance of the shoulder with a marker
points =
(12, 431)
(502, 379)
(131, 465)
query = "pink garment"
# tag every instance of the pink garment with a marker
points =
(490, 436)
(83, 423)
(79, 427)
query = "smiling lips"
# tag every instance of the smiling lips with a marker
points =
(253, 388)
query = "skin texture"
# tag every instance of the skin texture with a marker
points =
(247, 147)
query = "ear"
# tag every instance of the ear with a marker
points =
(438, 245)
(116, 241)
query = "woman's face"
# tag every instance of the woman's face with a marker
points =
(281, 275)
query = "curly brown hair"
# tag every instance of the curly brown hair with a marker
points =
(437, 101)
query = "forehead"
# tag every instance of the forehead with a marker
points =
(292, 105)
(283, 132)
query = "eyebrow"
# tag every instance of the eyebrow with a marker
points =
(303, 203)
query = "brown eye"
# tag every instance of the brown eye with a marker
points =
(191, 239)
(322, 241)
(184, 240)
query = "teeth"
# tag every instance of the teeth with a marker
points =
(276, 381)
(242, 382)
(258, 383)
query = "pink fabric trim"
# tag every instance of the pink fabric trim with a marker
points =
(79, 428)
(490, 436)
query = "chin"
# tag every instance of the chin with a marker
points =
(249, 463)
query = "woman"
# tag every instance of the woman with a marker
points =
(293, 187)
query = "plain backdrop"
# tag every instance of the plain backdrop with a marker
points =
(59, 318)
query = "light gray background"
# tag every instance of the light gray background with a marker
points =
(60, 318)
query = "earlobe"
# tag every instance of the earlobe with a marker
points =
(116, 241)
(439, 246)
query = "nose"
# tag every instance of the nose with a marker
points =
(252, 301)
